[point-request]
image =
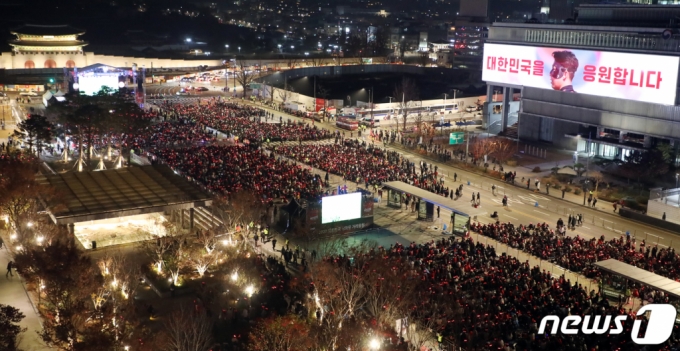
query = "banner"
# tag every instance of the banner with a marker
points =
(319, 105)
(367, 210)
(648, 78)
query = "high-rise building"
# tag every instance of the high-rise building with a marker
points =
(468, 33)
(605, 84)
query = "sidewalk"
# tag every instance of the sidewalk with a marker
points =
(522, 172)
(13, 293)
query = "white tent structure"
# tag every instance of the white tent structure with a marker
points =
(59, 96)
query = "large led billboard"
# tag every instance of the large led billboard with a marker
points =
(340, 208)
(92, 84)
(648, 78)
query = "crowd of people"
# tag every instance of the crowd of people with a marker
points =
(367, 164)
(489, 302)
(577, 253)
(172, 134)
(244, 122)
(228, 169)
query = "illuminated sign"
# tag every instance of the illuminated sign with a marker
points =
(648, 78)
(340, 208)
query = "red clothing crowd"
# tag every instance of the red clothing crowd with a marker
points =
(228, 169)
(483, 301)
(245, 122)
(576, 253)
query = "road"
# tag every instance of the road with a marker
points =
(526, 206)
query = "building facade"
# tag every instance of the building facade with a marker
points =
(56, 47)
(592, 121)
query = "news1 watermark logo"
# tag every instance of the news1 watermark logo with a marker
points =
(659, 326)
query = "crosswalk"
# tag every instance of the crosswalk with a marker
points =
(308, 142)
(176, 99)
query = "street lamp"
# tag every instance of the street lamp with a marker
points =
(676, 179)
(292, 47)
(227, 47)
(239, 49)
(374, 344)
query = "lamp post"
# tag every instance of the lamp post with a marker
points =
(370, 101)
(227, 47)
(239, 50)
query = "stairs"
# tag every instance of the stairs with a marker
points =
(204, 219)
(511, 132)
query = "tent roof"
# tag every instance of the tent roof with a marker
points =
(86, 196)
(460, 207)
(640, 275)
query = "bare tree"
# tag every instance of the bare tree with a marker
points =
(479, 147)
(423, 321)
(282, 333)
(202, 261)
(323, 92)
(404, 93)
(187, 331)
(286, 95)
(243, 76)
(389, 290)
(292, 62)
(504, 149)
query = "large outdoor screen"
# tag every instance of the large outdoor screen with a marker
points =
(340, 208)
(92, 84)
(648, 78)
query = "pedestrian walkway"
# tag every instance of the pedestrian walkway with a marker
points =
(13, 293)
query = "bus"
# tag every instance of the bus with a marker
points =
(347, 123)
(377, 114)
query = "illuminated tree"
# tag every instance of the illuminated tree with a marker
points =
(480, 147)
(281, 333)
(186, 330)
(504, 149)
(21, 192)
(10, 318)
(201, 261)
(36, 130)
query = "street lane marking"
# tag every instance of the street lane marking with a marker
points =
(543, 213)
(511, 217)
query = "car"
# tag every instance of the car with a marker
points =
(466, 123)
(440, 125)
(202, 89)
(471, 108)
(368, 122)
(182, 93)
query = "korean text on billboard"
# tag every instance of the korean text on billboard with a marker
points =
(648, 78)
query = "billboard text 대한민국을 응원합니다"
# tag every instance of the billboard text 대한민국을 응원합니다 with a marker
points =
(639, 77)
(340, 208)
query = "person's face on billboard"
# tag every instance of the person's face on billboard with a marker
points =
(559, 76)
